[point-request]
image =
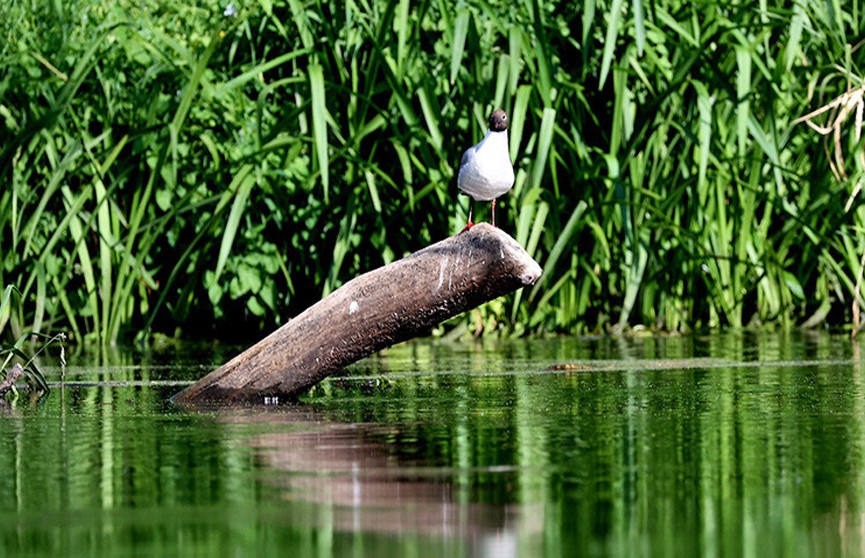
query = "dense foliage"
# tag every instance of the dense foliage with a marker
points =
(200, 165)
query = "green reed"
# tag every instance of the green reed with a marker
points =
(173, 168)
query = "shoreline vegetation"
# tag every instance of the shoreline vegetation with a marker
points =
(211, 169)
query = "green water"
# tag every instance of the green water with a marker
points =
(726, 445)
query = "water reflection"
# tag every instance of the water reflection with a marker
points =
(351, 468)
(742, 444)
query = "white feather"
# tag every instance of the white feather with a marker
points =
(486, 171)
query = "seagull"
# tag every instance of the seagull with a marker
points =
(486, 172)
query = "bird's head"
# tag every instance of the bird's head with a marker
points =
(498, 121)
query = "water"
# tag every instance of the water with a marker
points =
(725, 445)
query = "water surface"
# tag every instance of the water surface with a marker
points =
(724, 445)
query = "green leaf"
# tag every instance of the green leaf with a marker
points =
(794, 285)
(319, 123)
(518, 119)
(639, 26)
(743, 90)
(243, 183)
(460, 32)
(704, 134)
(562, 242)
(613, 24)
(545, 140)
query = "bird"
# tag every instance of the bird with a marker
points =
(486, 172)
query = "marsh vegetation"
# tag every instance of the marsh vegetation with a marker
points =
(186, 167)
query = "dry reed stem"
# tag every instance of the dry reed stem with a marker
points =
(839, 111)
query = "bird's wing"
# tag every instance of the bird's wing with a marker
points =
(467, 155)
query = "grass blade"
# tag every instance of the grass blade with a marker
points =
(545, 140)
(319, 124)
(743, 90)
(460, 32)
(613, 25)
(558, 249)
(242, 185)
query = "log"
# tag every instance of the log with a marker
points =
(378, 309)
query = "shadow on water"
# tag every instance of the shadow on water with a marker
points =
(724, 445)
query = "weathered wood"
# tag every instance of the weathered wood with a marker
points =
(12, 376)
(386, 306)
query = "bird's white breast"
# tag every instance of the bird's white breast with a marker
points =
(486, 171)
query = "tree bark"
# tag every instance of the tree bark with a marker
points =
(378, 309)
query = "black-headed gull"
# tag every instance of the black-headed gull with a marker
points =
(486, 171)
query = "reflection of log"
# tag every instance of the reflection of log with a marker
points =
(373, 311)
(341, 474)
(367, 485)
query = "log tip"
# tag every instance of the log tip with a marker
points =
(531, 273)
(525, 268)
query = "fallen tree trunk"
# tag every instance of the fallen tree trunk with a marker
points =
(386, 306)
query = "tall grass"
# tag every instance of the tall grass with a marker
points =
(186, 168)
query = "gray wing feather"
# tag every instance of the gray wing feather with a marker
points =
(463, 164)
(466, 156)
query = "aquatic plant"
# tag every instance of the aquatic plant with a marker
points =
(12, 369)
(187, 168)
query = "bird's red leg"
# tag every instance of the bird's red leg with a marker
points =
(469, 224)
(493, 212)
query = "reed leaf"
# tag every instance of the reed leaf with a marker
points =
(319, 125)
(680, 166)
